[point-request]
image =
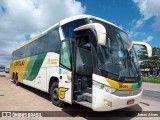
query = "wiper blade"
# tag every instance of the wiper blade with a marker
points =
(130, 47)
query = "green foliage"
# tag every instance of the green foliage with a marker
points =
(151, 79)
(147, 62)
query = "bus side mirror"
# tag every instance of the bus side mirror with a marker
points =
(148, 47)
(99, 28)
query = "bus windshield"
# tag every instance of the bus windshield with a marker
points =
(115, 57)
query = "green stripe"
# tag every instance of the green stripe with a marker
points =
(36, 67)
(137, 85)
(29, 67)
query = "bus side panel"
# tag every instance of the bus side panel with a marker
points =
(40, 80)
(52, 65)
(11, 69)
(52, 72)
(29, 72)
(48, 69)
(19, 67)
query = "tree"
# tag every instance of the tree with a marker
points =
(151, 62)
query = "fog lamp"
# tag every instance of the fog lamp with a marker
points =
(107, 103)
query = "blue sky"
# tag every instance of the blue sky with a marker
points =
(125, 13)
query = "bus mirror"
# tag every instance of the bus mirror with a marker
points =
(99, 28)
(148, 47)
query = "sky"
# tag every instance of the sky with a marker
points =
(20, 20)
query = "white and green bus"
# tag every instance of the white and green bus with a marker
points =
(82, 59)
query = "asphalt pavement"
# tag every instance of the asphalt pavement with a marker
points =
(151, 91)
(151, 86)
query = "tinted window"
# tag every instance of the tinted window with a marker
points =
(22, 52)
(53, 42)
(31, 48)
(39, 46)
(48, 43)
(69, 27)
(27, 51)
(65, 54)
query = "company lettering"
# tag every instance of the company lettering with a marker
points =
(19, 63)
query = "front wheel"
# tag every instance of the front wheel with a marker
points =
(54, 95)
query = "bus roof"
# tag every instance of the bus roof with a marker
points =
(64, 21)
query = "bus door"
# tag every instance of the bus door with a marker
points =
(65, 72)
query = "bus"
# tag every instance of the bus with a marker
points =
(82, 59)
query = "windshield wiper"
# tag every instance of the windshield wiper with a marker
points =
(130, 47)
(131, 63)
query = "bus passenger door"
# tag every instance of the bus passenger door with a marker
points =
(65, 73)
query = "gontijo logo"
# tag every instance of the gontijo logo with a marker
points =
(61, 92)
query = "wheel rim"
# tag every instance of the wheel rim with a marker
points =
(55, 94)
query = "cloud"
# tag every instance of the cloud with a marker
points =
(132, 34)
(148, 39)
(139, 23)
(148, 9)
(27, 17)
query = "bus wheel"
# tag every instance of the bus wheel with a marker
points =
(16, 80)
(54, 95)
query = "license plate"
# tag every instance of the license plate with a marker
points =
(129, 102)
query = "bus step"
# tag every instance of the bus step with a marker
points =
(84, 103)
(85, 97)
(77, 91)
(89, 90)
(77, 83)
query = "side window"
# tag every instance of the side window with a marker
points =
(41, 43)
(35, 47)
(69, 27)
(56, 40)
(23, 49)
(39, 46)
(31, 49)
(27, 51)
(53, 41)
(48, 43)
(65, 58)
(19, 53)
(14, 55)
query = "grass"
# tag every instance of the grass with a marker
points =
(152, 79)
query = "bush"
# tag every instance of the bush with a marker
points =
(152, 79)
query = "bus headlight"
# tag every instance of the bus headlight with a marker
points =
(104, 87)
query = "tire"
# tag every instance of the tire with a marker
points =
(16, 80)
(54, 95)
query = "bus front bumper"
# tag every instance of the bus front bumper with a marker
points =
(104, 101)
